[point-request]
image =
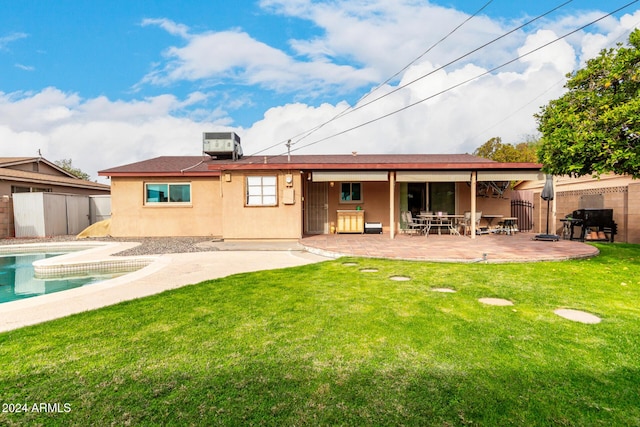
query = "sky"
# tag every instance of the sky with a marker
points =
(107, 83)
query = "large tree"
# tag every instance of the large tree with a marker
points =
(67, 165)
(594, 127)
(495, 149)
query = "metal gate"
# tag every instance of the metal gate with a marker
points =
(523, 210)
(317, 204)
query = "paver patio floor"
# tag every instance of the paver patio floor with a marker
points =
(445, 248)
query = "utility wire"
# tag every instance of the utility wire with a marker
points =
(347, 110)
(563, 80)
(468, 80)
(463, 56)
(302, 135)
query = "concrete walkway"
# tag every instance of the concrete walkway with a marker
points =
(165, 272)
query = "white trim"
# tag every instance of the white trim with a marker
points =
(434, 176)
(355, 176)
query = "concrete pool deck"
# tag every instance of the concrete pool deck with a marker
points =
(164, 272)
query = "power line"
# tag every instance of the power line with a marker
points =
(463, 56)
(349, 109)
(618, 39)
(466, 81)
(309, 132)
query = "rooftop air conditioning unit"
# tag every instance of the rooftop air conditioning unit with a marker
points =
(222, 145)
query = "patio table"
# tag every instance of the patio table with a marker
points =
(508, 225)
(450, 222)
(490, 218)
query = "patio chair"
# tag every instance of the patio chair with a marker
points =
(408, 225)
(466, 222)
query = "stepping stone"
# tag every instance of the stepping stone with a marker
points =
(400, 278)
(349, 264)
(444, 290)
(577, 315)
(369, 270)
(495, 301)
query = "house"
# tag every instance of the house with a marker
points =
(618, 192)
(287, 197)
(36, 174)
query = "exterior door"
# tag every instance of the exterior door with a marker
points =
(317, 208)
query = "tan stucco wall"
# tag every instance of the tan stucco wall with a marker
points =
(131, 218)
(375, 203)
(283, 221)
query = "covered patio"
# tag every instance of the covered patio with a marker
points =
(493, 248)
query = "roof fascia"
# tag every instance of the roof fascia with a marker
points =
(158, 174)
(379, 166)
(80, 184)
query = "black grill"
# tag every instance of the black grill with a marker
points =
(593, 220)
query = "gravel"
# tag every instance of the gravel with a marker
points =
(148, 245)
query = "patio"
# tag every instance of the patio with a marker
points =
(519, 247)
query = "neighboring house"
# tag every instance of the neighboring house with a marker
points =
(282, 197)
(617, 192)
(36, 174)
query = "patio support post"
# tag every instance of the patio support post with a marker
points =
(474, 182)
(392, 198)
(553, 205)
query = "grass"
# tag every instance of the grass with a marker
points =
(326, 344)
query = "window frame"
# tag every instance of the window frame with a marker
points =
(252, 191)
(168, 201)
(351, 200)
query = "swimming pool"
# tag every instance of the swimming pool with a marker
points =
(17, 279)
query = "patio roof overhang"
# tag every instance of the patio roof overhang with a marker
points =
(433, 176)
(328, 176)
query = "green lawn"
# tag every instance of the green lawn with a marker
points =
(328, 344)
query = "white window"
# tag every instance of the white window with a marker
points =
(167, 193)
(262, 191)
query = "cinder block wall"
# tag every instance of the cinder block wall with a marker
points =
(6, 218)
(623, 200)
(633, 215)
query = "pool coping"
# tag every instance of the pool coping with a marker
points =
(85, 258)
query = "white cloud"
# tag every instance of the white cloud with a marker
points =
(97, 133)
(25, 67)
(234, 56)
(361, 42)
(6, 40)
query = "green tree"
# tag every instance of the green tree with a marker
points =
(67, 165)
(594, 127)
(494, 149)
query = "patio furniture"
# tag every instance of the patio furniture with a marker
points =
(508, 225)
(490, 218)
(439, 221)
(466, 222)
(408, 225)
(350, 221)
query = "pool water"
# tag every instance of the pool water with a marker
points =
(17, 280)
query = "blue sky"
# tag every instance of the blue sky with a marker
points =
(135, 79)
